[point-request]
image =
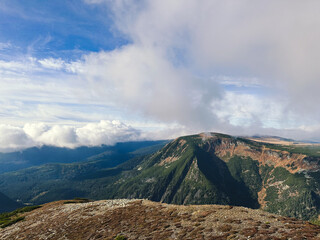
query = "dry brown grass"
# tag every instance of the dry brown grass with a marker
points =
(142, 219)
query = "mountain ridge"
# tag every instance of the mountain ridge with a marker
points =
(206, 168)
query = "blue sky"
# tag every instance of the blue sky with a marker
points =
(57, 28)
(89, 72)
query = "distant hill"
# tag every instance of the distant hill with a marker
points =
(37, 156)
(7, 204)
(54, 181)
(282, 141)
(142, 219)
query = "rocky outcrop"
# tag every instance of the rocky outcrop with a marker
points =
(226, 148)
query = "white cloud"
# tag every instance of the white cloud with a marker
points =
(61, 136)
(5, 45)
(142, 79)
(13, 138)
(173, 42)
(52, 63)
(93, 134)
(35, 130)
(239, 81)
(7, 67)
(245, 110)
(107, 132)
(94, 1)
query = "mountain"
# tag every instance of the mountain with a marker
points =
(143, 219)
(206, 168)
(221, 169)
(37, 156)
(7, 204)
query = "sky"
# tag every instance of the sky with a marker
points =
(92, 72)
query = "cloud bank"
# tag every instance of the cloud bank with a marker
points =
(92, 134)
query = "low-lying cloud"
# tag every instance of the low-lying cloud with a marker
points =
(92, 134)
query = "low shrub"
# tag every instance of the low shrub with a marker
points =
(120, 237)
(77, 200)
(7, 219)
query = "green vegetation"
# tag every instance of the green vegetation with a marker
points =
(272, 194)
(23, 210)
(120, 237)
(246, 171)
(315, 222)
(78, 200)
(302, 206)
(291, 195)
(265, 171)
(7, 219)
(7, 222)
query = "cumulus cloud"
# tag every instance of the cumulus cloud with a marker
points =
(107, 132)
(275, 42)
(13, 138)
(92, 134)
(141, 79)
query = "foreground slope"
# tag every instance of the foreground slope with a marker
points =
(142, 219)
(220, 169)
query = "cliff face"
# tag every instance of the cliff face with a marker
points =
(220, 169)
(142, 219)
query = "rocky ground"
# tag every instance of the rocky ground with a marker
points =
(143, 219)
